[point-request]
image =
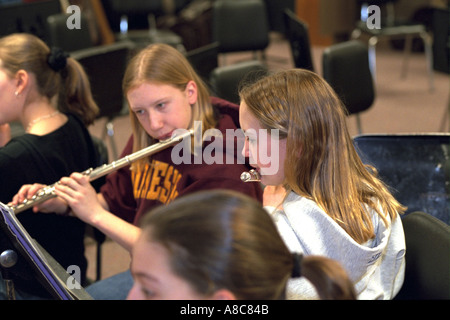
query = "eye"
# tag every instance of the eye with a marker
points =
(161, 105)
(144, 290)
(139, 112)
(251, 140)
(148, 294)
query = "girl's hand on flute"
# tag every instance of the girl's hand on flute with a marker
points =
(79, 194)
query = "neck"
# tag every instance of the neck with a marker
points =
(41, 118)
(35, 109)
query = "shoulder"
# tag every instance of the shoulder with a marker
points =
(226, 110)
(17, 145)
(296, 203)
(224, 105)
(308, 225)
(74, 121)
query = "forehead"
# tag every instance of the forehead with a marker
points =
(150, 259)
(149, 92)
(247, 119)
(153, 88)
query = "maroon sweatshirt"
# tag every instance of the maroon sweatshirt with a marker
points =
(132, 194)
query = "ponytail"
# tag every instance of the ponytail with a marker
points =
(57, 76)
(326, 275)
(75, 95)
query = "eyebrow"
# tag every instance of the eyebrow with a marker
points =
(145, 276)
(250, 131)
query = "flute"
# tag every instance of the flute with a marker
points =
(251, 176)
(49, 191)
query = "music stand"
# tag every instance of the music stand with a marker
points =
(46, 269)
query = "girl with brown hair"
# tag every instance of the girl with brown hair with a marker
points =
(223, 245)
(48, 93)
(165, 95)
(324, 200)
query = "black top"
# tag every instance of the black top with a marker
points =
(45, 159)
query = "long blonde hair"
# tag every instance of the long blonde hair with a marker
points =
(71, 85)
(163, 64)
(321, 162)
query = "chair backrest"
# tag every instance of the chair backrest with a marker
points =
(225, 80)
(275, 12)
(240, 25)
(346, 69)
(427, 273)
(136, 6)
(298, 36)
(415, 166)
(204, 59)
(65, 38)
(28, 17)
(105, 66)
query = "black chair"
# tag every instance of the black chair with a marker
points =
(225, 80)
(275, 13)
(105, 66)
(427, 272)
(28, 17)
(391, 27)
(65, 38)
(151, 10)
(240, 26)
(204, 59)
(298, 36)
(346, 69)
(415, 166)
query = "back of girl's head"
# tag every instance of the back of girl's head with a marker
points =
(328, 277)
(222, 240)
(163, 64)
(65, 80)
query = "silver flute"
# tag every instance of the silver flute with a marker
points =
(251, 176)
(48, 192)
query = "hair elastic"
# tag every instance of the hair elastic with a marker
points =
(57, 59)
(296, 270)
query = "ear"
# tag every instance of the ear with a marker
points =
(22, 79)
(192, 92)
(223, 294)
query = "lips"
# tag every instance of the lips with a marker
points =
(165, 136)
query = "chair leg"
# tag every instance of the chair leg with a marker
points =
(446, 116)
(428, 43)
(358, 123)
(98, 271)
(372, 57)
(406, 54)
(109, 130)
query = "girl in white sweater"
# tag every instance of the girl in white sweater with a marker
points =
(324, 200)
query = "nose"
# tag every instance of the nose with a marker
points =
(245, 152)
(156, 121)
(133, 294)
